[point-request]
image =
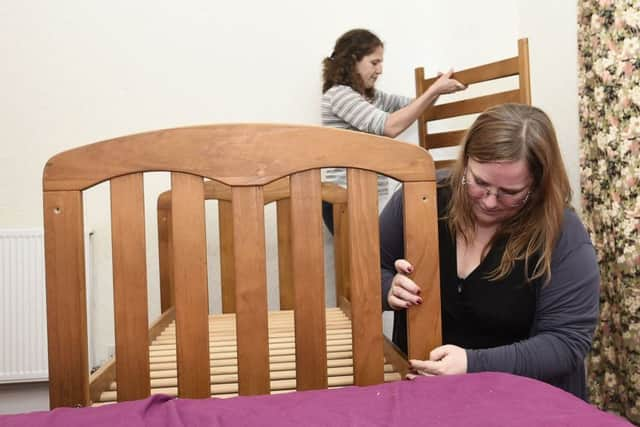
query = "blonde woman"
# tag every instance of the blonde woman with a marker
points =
(519, 277)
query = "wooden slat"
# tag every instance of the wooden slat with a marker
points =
(364, 261)
(307, 259)
(251, 290)
(130, 286)
(483, 73)
(444, 164)
(164, 257)
(66, 299)
(395, 357)
(421, 87)
(523, 71)
(472, 105)
(227, 274)
(333, 193)
(444, 139)
(283, 209)
(341, 251)
(190, 281)
(424, 331)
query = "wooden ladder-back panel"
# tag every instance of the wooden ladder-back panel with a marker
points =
(66, 299)
(307, 264)
(130, 287)
(190, 282)
(421, 242)
(364, 241)
(509, 67)
(251, 290)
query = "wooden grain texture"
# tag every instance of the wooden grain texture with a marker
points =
(424, 331)
(164, 251)
(285, 256)
(130, 286)
(251, 290)
(444, 139)
(307, 266)
(471, 105)
(482, 73)
(341, 250)
(243, 154)
(227, 272)
(524, 82)
(66, 299)
(364, 261)
(190, 281)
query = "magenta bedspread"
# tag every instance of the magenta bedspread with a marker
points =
(485, 399)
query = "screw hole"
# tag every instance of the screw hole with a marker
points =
(56, 211)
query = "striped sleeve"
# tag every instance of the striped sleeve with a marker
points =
(390, 102)
(353, 108)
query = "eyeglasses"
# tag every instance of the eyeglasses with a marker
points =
(480, 191)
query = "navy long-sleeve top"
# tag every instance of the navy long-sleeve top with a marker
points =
(543, 331)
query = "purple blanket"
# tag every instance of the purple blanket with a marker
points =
(485, 399)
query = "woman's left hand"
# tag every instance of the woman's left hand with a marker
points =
(444, 360)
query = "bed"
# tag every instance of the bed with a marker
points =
(483, 399)
(249, 160)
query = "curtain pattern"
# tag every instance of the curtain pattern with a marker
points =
(609, 91)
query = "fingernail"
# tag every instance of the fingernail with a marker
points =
(420, 301)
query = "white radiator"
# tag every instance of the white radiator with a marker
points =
(23, 320)
(23, 317)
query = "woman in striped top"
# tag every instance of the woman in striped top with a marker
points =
(350, 100)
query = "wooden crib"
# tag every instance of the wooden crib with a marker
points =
(247, 159)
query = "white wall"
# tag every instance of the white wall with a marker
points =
(551, 27)
(79, 71)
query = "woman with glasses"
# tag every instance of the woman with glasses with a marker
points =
(519, 278)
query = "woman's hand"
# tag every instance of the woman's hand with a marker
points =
(444, 360)
(403, 292)
(446, 84)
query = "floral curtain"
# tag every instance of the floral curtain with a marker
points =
(609, 91)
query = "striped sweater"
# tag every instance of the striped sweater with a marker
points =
(344, 108)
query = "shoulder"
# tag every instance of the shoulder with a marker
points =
(573, 235)
(340, 90)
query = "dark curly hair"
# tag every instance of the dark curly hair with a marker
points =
(340, 67)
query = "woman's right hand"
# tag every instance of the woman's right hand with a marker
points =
(403, 293)
(445, 84)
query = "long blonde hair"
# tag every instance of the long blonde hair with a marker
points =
(511, 132)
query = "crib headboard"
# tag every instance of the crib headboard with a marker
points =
(246, 158)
